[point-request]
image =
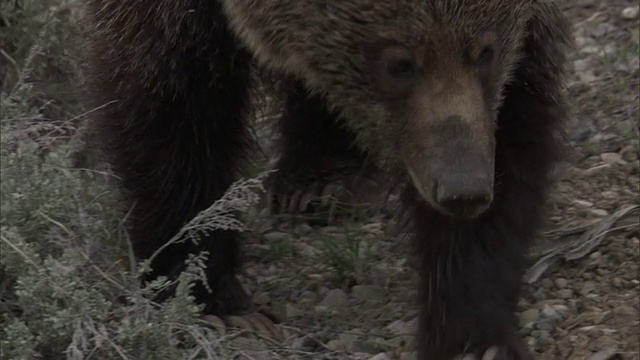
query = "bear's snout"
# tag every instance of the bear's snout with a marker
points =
(452, 165)
(464, 195)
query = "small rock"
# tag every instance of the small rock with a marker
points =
(627, 311)
(550, 313)
(343, 342)
(582, 65)
(617, 282)
(629, 153)
(542, 303)
(335, 299)
(362, 346)
(375, 228)
(255, 355)
(561, 309)
(583, 203)
(612, 158)
(596, 170)
(565, 293)
(378, 276)
(335, 345)
(400, 327)
(587, 287)
(624, 127)
(599, 212)
(380, 356)
(408, 355)
(587, 276)
(544, 325)
(216, 323)
(529, 316)
(602, 29)
(262, 298)
(291, 311)
(541, 336)
(249, 344)
(631, 12)
(366, 292)
(561, 283)
(540, 294)
(275, 236)
(595, 255)
(303, 229)
(303, 343)
(307, 294)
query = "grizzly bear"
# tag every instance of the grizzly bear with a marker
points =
(462, 100)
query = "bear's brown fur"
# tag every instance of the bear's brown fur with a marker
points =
(462, 99)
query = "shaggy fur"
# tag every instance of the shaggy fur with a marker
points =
(171, 79)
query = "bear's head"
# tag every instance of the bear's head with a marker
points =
(420, 82)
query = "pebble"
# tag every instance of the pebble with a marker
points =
(303, 343)
(618, 282)
(308, 294)
(542, 303)
(400, 327)
(561, 283)
(335, 298)
(587, 287)
(629, 153)
(249, 344)
(544, 325)
(582, 65)
(375, 228)
(361, 346)
(380, 356)
(565, 293)
(602, 29)
(366, 292)
(276, 236)
(303, 229)
(262, 298)
(543, 337)
(612, 158)
(631, 12)
(599, 212)
(550, 313)
(561, 309)
(627, 311)
(529, 316)
(583, 203)
(378, 276)
(256, 355)
(291, 311)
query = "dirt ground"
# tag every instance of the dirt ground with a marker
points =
(346, 291)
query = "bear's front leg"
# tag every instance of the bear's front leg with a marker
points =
(470, 280)
(320, 170)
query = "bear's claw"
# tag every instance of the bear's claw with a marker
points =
(254, 321)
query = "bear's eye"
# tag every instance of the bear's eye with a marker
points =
(401, 68)
(486, 56)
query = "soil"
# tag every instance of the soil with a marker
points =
(345, 291)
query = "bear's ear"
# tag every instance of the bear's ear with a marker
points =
(549, 37)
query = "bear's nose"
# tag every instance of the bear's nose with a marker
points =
(464, 197)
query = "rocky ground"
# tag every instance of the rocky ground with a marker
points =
(345, 292)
